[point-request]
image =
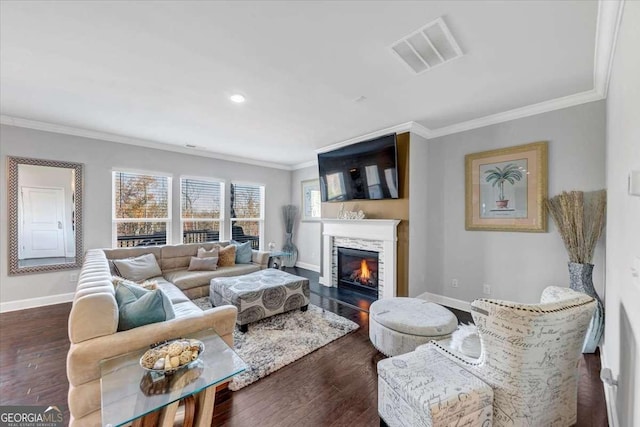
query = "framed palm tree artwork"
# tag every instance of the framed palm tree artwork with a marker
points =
(505, 189)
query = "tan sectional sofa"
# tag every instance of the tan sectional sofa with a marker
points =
(174, 261)
(93, 321)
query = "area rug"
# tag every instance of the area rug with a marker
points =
(279, 340)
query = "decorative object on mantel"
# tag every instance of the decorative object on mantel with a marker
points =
(289, 213)
(580, 219)
(343, 214)
(505, 189)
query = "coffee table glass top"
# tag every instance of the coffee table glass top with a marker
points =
(279, 253)
(129, 392)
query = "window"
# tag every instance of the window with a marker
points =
(141, 209)
(201, 215)
(247, 213)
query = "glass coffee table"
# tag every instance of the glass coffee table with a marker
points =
(277, 257)
(129, 392)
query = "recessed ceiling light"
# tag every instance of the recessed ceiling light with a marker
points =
(237, 98)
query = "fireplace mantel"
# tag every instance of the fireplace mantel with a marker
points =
(383, 231)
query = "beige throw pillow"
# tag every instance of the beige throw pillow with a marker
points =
(203, 264)
(138, 268)
(226, 256)
(203, 253)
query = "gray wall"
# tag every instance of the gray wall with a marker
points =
(426, 234)
(100, 158)
(621, 349)
(307, 235)
(517, 266)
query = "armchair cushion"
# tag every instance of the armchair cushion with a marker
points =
(466, 340)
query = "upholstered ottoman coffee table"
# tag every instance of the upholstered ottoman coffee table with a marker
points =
(261, 294)
(399, 325)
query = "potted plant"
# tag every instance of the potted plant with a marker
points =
(580, 221)
(498, 176)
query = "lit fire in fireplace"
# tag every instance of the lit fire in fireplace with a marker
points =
(365, 274)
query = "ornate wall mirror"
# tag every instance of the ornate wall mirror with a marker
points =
(45, 215)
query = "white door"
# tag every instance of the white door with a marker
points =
(43, 222)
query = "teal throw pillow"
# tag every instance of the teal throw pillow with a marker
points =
(243, 252)
(139, 307)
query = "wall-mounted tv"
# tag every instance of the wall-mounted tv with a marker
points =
(365, 170)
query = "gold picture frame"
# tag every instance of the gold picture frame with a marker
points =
(505, 189)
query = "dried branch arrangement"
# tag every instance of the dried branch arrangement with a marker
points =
(289, 213)
(580, 219)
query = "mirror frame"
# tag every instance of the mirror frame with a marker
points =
(12, 223)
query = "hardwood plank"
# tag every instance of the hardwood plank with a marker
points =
(335, 385)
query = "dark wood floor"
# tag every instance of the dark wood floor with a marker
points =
(333, 386)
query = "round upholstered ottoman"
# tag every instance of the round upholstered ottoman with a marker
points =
(399, 325)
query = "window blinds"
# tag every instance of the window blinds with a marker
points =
(140, 196)
(200, 198)
(246, 201)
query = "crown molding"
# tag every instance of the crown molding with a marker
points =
(403, 127)
(609, 18)
(518, 113)
(421, 130)
(608, 22)
(304, 165)
(120, 139)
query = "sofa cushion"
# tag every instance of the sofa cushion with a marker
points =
(177, 257)
(139, 307)
(243, 252)
(139, 268)
(170, 290)
(213, 253)
(185, 279)
(227, 256)
(186, 308)
(203, 264)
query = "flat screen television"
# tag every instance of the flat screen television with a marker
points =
(365, 170)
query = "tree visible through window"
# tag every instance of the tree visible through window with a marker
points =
(141, 209)
(201, 210)
(247, 213)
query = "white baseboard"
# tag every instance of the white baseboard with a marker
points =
(448, 301)
(609, 395)
(306, 266)
(35, 302)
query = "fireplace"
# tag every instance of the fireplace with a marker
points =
(358, 270)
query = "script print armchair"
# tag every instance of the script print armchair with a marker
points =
(530, 356)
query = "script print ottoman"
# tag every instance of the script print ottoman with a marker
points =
(261, 294)
(425, 389)
(399, 325)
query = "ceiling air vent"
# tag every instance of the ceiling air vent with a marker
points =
(428, 47)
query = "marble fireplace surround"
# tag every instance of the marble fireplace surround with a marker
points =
(379, 235)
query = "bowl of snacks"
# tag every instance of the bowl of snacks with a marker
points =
(171, 356)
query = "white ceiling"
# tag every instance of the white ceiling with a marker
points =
(164, 71)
